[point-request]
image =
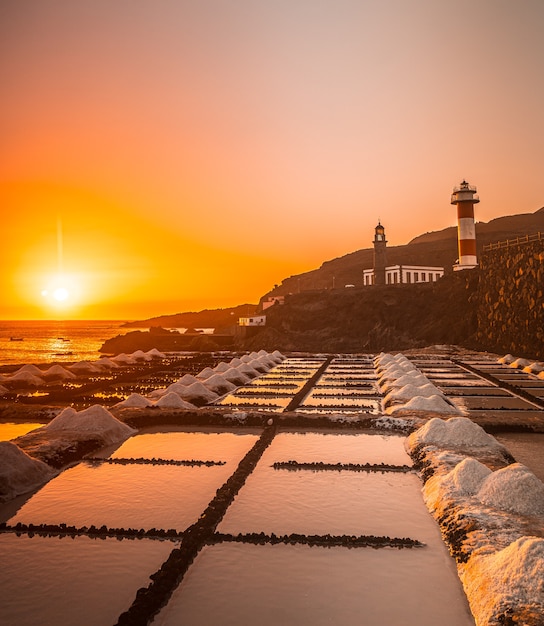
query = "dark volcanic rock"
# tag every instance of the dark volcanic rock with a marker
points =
(392, 317)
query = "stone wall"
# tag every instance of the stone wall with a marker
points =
(510, 300)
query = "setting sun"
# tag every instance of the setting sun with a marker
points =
(61, 294)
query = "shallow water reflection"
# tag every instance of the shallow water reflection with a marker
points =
(9, 431)
(269, 585)
(73, 580)
(204, 446)
(125, 496)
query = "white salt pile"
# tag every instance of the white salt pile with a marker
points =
(222, 367)
(96, 421)
(106, 363)
(506, 359)
(408, 389)
(187, 379)
(124, 359)
(513, 488)
(219, 384)
(173, 401)
(507, 581)
(140, 355)
(501, 572)
(24, 379)
(247, 370)
(84, 367)
(431, 404)
(519, 363)
(19, 472)
(236, 377)
(534, 368)
(30, 369)
(197, 394)
(135, 400)
(57, 372)
(205, 373)
(156, 354)
(465, 479)
(452, 433)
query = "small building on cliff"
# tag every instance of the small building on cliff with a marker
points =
(383, 274)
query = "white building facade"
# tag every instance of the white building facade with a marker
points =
(405, 274)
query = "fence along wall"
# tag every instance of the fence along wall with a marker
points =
(510, 299)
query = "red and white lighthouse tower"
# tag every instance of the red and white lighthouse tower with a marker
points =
(465, 198)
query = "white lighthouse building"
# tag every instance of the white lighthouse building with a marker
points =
(465, 198)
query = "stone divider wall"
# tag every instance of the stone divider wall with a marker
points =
(510, 300)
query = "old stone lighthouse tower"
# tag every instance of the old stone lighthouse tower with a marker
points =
(380, 254)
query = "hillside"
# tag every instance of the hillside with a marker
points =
(433, 248)
(208, 318)
(391, 317)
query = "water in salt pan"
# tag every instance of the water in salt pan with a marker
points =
(124, 492)
(125, 496)
(66, 581)
(526, 448)
(9, 431)
(236, 584)
(210, 445)
(336, 502)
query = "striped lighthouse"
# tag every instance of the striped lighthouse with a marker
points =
(465, 198)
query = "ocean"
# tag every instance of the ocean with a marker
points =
(60, 341)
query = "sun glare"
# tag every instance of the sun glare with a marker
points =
(61, 291)
(61, 294)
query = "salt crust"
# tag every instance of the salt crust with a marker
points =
(514, 488)
(513, 577)
(95, 420)
(19, 472)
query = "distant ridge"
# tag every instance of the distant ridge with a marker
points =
(432, 248)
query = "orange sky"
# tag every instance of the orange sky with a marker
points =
(196, 153)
